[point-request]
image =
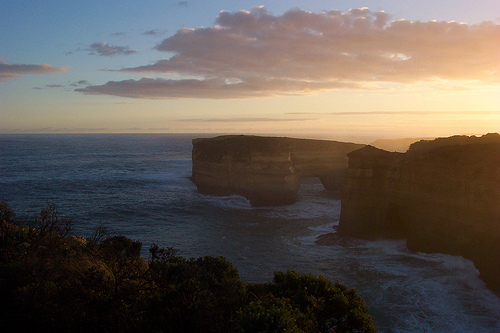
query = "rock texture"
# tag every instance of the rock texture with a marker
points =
(266, 170)
(442, 196)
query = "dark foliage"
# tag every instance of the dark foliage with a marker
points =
(50, 281)
(315, 303)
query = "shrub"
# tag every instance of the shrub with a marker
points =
(323, 305)
(273, 314)
(50, 281)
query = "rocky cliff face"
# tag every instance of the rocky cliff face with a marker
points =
(442, 196)
(266, 170)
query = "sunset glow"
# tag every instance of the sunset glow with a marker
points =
(296, 68)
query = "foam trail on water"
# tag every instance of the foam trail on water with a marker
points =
(229, 202)
(325, 228)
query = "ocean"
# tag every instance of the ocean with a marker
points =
(137, 185)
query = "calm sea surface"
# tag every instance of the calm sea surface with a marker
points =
(138, 186)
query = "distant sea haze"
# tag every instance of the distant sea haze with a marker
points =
(138, 186)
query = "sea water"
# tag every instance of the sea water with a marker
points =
(138, 186)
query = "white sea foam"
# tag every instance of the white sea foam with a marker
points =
(434, 289)
(308, 240)
(229, 202)
(388, 246)
(307, 209)
(324, 228)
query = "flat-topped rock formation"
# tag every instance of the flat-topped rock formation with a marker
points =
(441, 195)
(266, 170)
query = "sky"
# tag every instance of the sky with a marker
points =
(387, 68)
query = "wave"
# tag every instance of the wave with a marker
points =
(230, 202)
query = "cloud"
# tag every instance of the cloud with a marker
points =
(11, 71)
(411, 113)
(49, 86)
(153, 32)
(210, 88)
(240, 120)
(103, 49)
(256, 54)
(80, 83)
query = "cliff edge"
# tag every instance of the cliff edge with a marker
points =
(441, 195)
(266, 170)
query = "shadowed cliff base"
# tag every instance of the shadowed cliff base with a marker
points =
(441, 195)
(266, 170)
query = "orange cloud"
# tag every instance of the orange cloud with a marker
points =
(11, 71)
(304, 52)
(215, 88)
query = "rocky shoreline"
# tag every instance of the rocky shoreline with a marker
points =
(441, 195)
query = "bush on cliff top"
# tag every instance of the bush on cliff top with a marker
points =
(50, 281)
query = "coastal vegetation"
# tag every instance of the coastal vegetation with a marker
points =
(52, 281)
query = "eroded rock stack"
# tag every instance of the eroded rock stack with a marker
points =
(442, 196)
(266, 170)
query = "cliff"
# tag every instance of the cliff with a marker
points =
(399, 145)
(442, 196)
(266, 170)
